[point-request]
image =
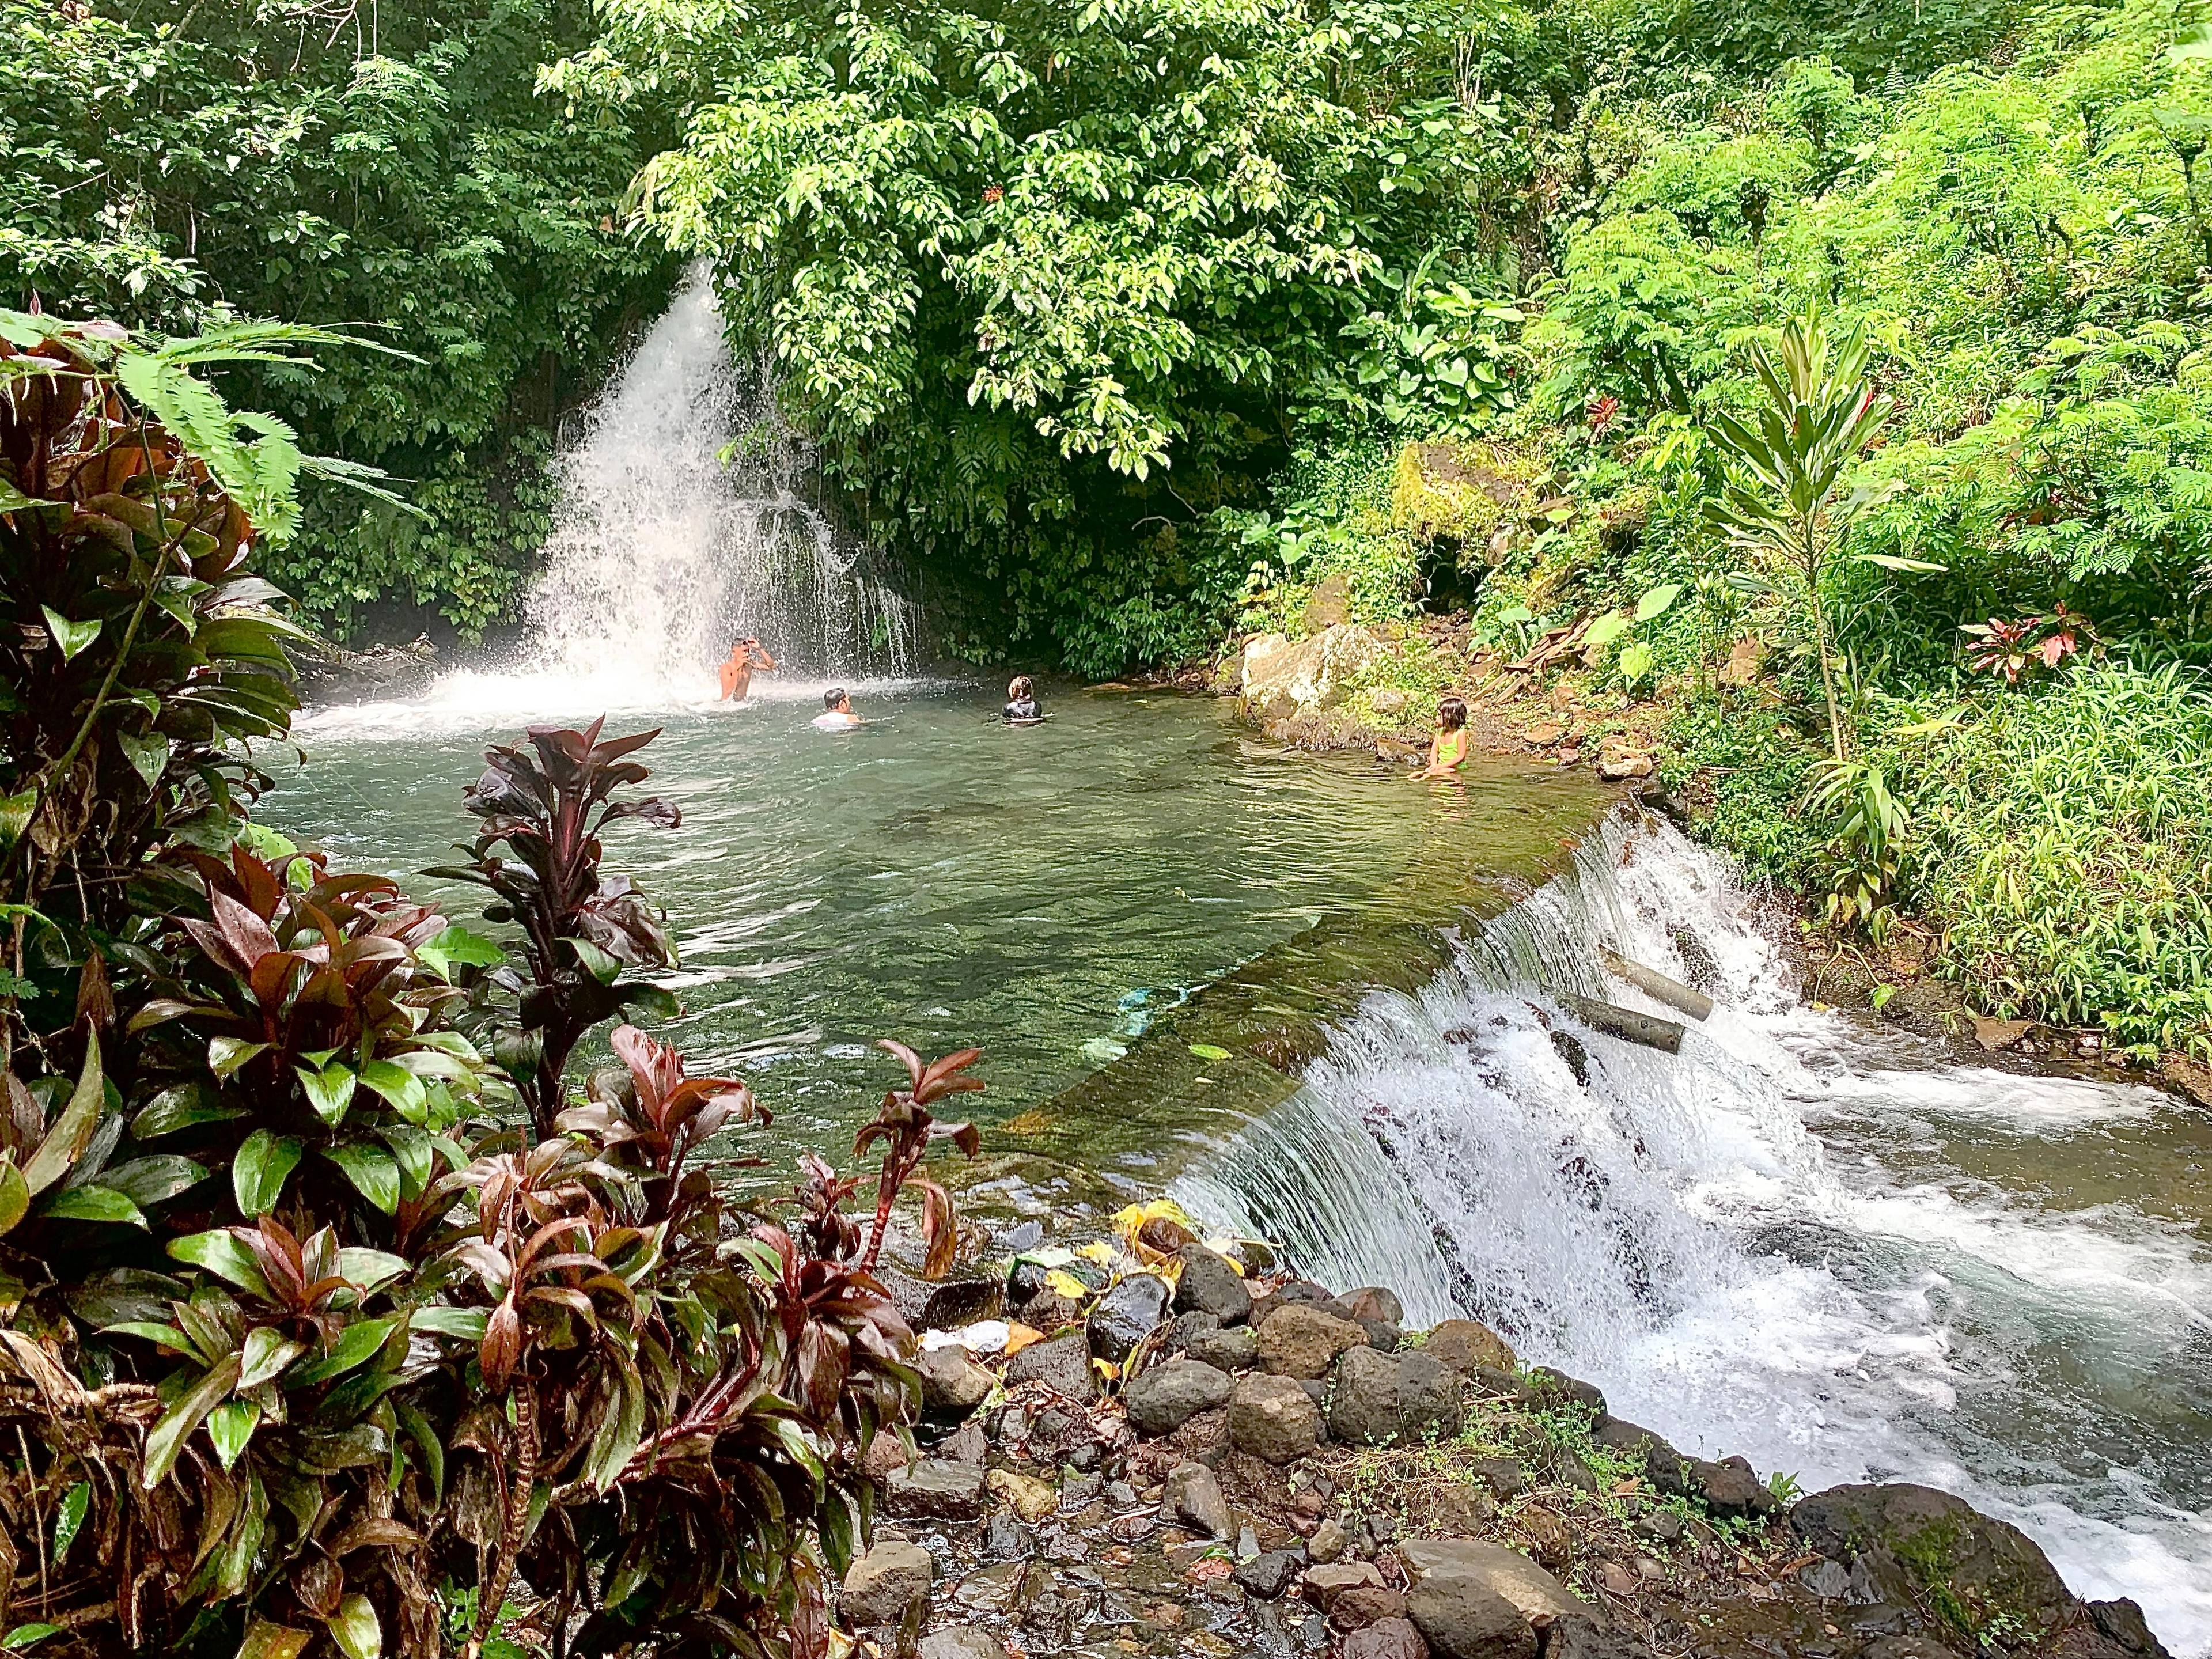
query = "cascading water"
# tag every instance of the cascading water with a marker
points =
(681, 528)
(1790, 1241)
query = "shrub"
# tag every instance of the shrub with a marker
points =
(2063, 840)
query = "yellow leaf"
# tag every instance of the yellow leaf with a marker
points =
(1019, 1336)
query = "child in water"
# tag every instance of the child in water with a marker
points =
(1022, 706)
(1449, 745)
(836, 713)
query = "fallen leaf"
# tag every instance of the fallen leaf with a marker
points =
(1019, 1336)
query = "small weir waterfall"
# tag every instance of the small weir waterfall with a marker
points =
(1800, 1239)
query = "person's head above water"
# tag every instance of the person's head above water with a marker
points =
(835, 700)
(1020, 689)
(1451, 712)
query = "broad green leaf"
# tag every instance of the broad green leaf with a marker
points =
(181, 1108)
(467, 1323)
(356, 1345)
(267, 1352)
(457, 947)
(596, 963)
(166, 1440)
(266, 1641)
(416, 1154)
(330, 1090)
(226, 1054)
(1607, 628)
(72, 636)
(1654, 603)
(92, 1202)
(400, 1087)
(1209, 1051)
(355, 1629)
(23, 1635)
(264, 1163)
(15, 1192)
(153, 1179)
(148, 1330)
(69, 1517)
(1636, 661)
(149, 755)
(70, 1133)
(221, 1254)
(230, 1425)
(15, 815)
(374, 1172)
(371, 1270)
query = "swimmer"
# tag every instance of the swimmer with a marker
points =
(1022, 706)
(747, 655)
(836, 713)
(1449, 745)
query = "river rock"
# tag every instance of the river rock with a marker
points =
(966, 1445)
(1189, 1328)
(1236, 1349)
(1209, 1284)
(1062, 1364)
(1429, 1397)
(1329, 1540)
(1573, 1637)
(1732, 1489)
(1291, 1293)
(1164, 1398)
(2122, 1623)
(1505, 1477)
(1467, 1347)
(1461, 1617)
(1303, 1341)
(1031, 1498)
(1007, 1539)
(1950, 1555)
(1273, 1418)
(960, 1641)
(1538, 1597)
(1194, 1497)
(1323, 1584)
(1362, 1399)
(1389, 1638)
(887, 1583)
(1372, 1304)
(936, 1489)
(1364, 1604)
(1050, 1311)
(1550, 1380)
(1283, 677)
(952, 1385)
(1268, 1576)
(1127, 1315)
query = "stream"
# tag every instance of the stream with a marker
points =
(1808, 1238)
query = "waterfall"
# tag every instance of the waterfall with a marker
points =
(1776, 1242)
(681, 527)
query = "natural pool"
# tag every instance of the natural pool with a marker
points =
(938, 877)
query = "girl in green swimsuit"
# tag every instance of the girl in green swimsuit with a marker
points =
(1449, 746)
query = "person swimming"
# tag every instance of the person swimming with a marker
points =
(1448, 749)
(836, 713)
(1023, 708)
(747, 655)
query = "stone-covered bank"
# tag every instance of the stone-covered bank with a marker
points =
(1176, 1459)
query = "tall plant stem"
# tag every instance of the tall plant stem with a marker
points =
(1811, 550)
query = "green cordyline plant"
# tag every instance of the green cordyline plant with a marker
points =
(1783, 503)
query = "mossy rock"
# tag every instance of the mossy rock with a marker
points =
(1459, 491)
(1985, 1579)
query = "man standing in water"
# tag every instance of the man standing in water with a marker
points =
(747, 655)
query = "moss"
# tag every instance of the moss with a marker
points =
(1459, 491)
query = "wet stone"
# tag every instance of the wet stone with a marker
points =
(1235, 1349)
(1127, 1315)
(1164, 1398)
(1268, 1575)
(881, 1585)
(1209, 1284)
(1062, 1364)
(960, 1641)
(936, 1489)
(1006, 1537)
(1194, 1497)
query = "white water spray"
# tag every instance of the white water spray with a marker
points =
(1767, 1244)
(681, 528)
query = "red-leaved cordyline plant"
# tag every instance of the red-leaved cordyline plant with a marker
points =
(655, 1121)
(581, 926)
(905, 1126)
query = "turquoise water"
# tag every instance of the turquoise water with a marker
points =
(1044, 893)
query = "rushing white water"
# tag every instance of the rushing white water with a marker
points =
(681, 528)
(1776, 1242)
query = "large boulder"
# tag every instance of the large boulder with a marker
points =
(1369, 1305)
(1162, 1400)
(1284, 676)
(1273, 1418)
(1732, 1488)
(887, 1583)
(1392, 1639)
(1209, 1284)
(1430, 1398)
(1957, 1564)
(1363, 1398)
(1468, 1347)
(1301, 1340)
(1537, 1596)
(1127, 1315)
(1062, 1364)
(1236, 1349)
(1461, 1617)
